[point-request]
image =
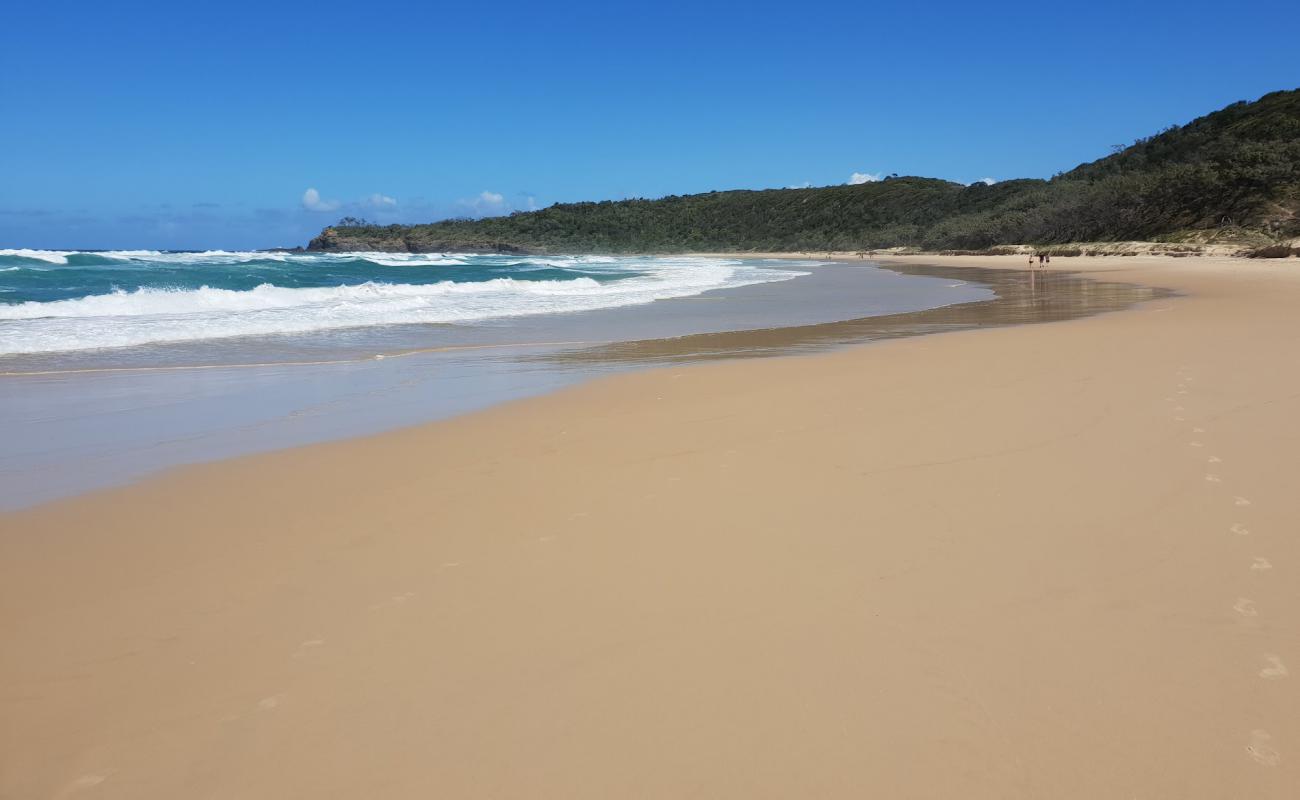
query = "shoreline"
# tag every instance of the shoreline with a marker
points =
(54, 455)
(70, 431)
(1038, 560)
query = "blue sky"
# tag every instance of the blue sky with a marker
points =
(205, 125)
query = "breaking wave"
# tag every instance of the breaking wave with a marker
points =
(148, 314)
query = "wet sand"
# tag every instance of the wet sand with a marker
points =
(1032, 561)
(1019, 298)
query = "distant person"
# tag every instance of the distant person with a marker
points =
(1040, 260)
(1049, 258)
(1031, 259)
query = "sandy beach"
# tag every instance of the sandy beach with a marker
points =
(1044, 561)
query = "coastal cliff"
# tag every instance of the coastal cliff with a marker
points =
(1232, 176)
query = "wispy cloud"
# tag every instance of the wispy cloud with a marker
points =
(804, 185)
(311, 200)
(487, 204)
(380, 201)
(865, 177)
(986, 181)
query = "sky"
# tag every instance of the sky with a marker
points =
(236, 125)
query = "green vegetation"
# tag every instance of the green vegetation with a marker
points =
(1233, 175)
(354, 222)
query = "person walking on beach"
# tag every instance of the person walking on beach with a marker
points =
(1040, 260)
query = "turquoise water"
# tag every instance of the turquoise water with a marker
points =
(45, 276)
(64, 302)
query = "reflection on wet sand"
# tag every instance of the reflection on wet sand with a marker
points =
(1022, 297)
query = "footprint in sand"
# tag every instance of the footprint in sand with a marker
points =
(1198, 430)
(269, 703)
(1213, 479)
(1275, 670)
(1245, 607)
(1260, 749)
(1239, 529)
(307, 645)
(1195, 444)
(1240, 501)
(1179, 418)
(395, 600)
(1214, 460)
(1261, 564)
(84, 782)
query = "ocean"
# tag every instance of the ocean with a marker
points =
(67, 302)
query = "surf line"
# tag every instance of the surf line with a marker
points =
(323, 362)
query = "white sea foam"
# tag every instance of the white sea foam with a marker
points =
(124, 255)
(49, 256)
(213, 257)
(411, 260)
(153, 315)
(227, 257)
(210, 256)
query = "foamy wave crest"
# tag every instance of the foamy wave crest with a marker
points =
(48, 256)
(154, 315)
(410, 260)
(152, 256)
(158, 302)
(213, 257)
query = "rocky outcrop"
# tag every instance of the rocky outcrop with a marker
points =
(1278, 250)
(398, 240)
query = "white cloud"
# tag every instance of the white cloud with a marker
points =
(986, 181)
(380, 201)
(865, 177)
(311, 200)
(804, 185)
(487, 203)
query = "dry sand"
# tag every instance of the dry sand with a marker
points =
(1053, 561)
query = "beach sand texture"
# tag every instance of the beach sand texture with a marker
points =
(1051, 561)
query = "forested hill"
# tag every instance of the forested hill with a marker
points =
(1233, 175)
